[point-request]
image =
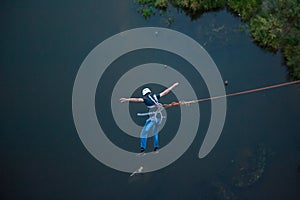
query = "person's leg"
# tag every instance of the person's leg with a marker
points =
(144, 134)
(156, 145)
(156, 129)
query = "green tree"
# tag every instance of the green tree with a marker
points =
(266, 30)
(274, 24)
(161, 4)
(246, 8)
(291, 53)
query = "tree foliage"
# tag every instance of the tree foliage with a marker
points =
(147, 7)
(195, 7)
(274, 24)
(245, 8)
(266, 30)
(292, 56)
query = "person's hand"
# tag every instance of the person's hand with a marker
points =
(173, 86)
(123, 100)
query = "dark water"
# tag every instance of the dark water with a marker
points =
(43, 44)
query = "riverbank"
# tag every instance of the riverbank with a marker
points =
(274, 24)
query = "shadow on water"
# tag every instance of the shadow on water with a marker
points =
(139, 178)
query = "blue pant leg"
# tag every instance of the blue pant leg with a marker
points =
(144, 134)
(156, 140)
(156, 129)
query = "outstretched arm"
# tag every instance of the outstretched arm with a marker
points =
(166, 91)
(131, 99)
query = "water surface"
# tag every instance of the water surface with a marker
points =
(43, 44)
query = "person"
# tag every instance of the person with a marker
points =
(152, 102)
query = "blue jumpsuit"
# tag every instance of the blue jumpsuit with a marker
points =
(154, 120)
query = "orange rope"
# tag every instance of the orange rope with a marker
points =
(230, 95)
(172, 104)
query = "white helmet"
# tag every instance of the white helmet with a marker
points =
(146, 91)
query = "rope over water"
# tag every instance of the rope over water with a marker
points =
(230, 95)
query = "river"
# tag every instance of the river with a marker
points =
(43, 44)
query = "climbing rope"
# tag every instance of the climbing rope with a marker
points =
(229, 95)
